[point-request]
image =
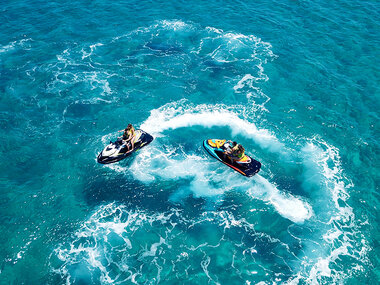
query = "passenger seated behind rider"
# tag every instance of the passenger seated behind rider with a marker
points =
(235, 153)
(129, 136)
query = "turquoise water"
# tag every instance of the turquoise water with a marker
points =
(296, 82)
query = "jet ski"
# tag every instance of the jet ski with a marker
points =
(246, 166)
(119, 150)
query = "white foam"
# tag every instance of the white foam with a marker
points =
(324, 177)
(323, 174)
(242, 82)
(174, 24)
(221, 47)
(92, 244)
(153, 248)
(97, 79)
(95, 76)
(92, 48)
(23, 43)
(213, 45)
(293, 208)
(171, 116)
(176, 167)
(204, 182)
(231, 47)
(247, 83)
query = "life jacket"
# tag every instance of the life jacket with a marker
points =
(235, 154)
(127, 133)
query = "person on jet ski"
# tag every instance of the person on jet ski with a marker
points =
(235, 153)
(129, 136)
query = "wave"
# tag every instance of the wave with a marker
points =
(181, 50)
(23, 43)
(205, 182)
(105, 247)
(324, 177)
(320, 225)
(182, 114)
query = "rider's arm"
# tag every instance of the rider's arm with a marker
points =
(132, 139)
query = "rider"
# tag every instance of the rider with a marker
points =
(236, 152)
(129, 136)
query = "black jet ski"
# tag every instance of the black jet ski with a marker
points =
(246, 166)
(119, 150)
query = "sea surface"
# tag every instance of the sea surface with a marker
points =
(295, 82)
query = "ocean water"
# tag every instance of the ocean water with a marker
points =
(296, 82)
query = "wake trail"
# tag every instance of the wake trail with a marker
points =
(173, 116)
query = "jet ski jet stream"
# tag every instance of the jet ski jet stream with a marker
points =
(119, 150)
(246, 166)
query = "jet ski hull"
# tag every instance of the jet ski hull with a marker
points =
(247, 167)
(118, 150)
